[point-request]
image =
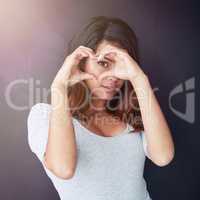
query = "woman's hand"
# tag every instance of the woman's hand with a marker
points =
(70, 73)
(125, 67)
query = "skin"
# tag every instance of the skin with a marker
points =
(61, 155)
(160, 145)
(102, 123)
(95, 85)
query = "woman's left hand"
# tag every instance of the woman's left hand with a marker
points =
(125, 67)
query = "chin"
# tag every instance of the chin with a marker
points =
(106, 97)
(103, 93)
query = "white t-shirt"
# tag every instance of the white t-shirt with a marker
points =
(108, 168)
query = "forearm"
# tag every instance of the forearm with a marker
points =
(61, 147)
(159, 139)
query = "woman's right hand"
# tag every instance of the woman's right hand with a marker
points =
(70, 73)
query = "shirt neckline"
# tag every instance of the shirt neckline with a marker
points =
(128, 127)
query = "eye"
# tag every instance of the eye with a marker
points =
(104, 64)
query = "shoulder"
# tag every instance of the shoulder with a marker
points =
(40, 108)
(39, 111)
(38, 124)
(38, 117)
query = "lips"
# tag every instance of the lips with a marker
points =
(109, 86)
(109, 89)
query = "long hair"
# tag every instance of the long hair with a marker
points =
(118, 32)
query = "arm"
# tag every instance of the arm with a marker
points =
(61, 152)
(61, 155)
(158, 136)
(159, 141)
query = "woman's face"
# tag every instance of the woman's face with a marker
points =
(109, 85)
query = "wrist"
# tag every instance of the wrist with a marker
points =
(59, 85)
(59, 95)
(140, 76)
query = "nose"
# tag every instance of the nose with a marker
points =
(112, 78)
(111, 81)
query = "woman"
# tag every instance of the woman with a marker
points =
(93, 138)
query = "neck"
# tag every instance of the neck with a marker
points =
(97, 105)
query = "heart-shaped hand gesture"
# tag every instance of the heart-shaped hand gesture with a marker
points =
(70, 73)
(125, 67)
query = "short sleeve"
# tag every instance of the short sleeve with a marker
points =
(144, 142)
(38, 125)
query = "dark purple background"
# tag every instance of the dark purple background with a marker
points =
(33, 40)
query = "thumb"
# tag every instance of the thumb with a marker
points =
(84, 76)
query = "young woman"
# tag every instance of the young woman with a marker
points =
(103, 118)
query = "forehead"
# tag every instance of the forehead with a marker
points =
(107, 45)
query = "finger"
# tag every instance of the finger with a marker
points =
(80, 55)
(82, 52)
(84, 76)
(88, 50)
(111, 56)
(79, 77)
(90, 54)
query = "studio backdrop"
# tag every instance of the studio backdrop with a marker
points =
(34, 36)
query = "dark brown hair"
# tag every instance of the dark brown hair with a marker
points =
(118, 32)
